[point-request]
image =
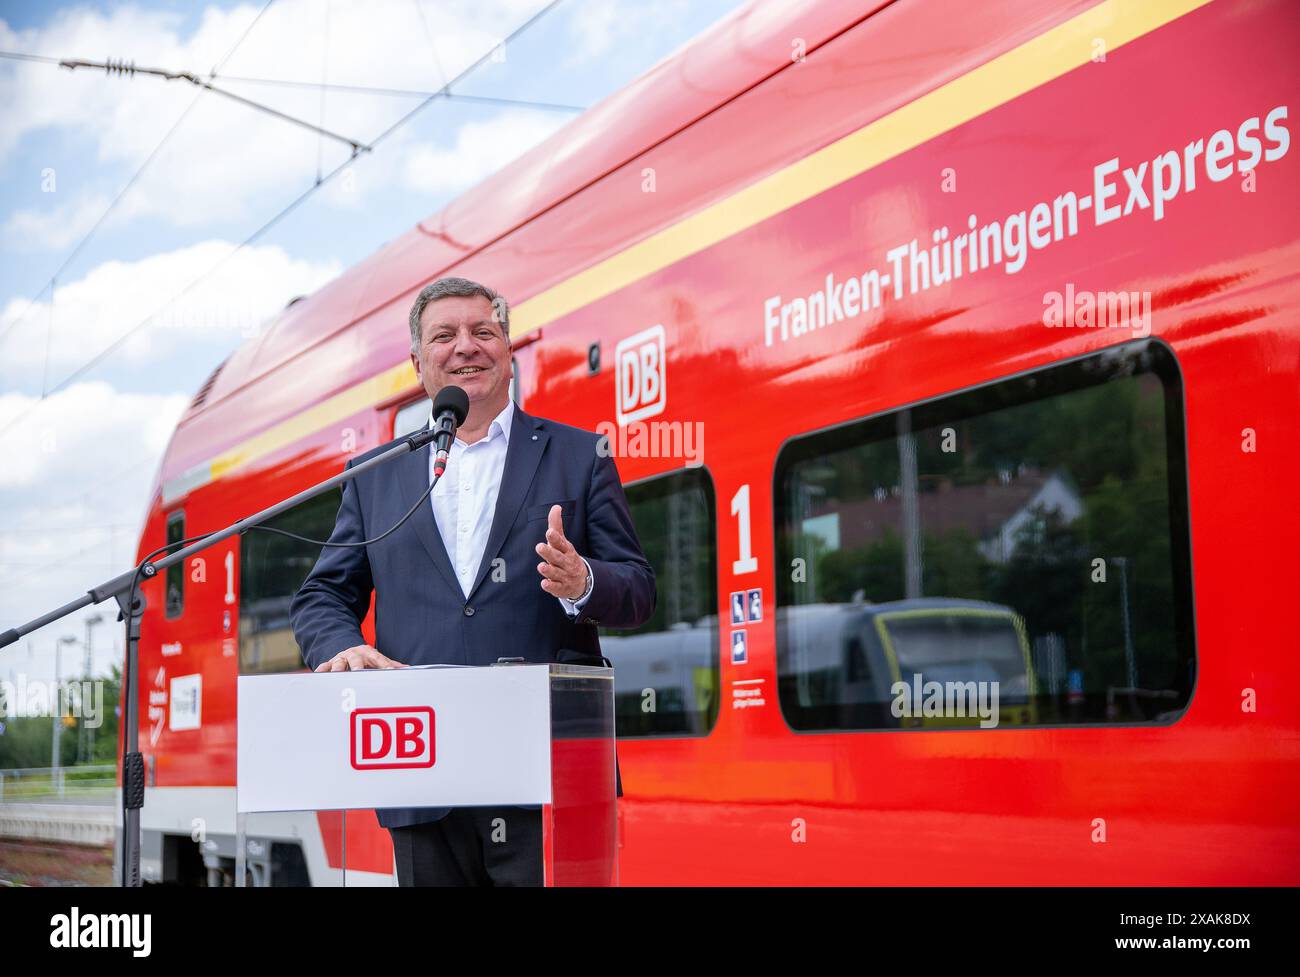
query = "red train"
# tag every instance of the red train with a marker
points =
(942, 346)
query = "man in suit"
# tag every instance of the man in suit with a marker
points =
(526, 546)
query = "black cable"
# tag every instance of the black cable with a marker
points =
(365, 542)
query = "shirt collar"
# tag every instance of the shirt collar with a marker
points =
(501, 422)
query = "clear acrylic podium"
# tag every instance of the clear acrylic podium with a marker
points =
(321, 745)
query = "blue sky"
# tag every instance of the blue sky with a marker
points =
(79, 460)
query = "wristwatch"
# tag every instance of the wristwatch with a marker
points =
(590, 583)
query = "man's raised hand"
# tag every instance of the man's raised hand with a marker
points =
(563, 571)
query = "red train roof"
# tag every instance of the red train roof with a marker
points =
(738, 52)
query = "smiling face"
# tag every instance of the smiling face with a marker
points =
(461, 344)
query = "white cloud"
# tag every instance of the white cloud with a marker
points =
(480, 149)
(57, 227)
(77, 471)
(89, 314)
(228, 161)
(84, 431)
(73, 493)
(629, 25)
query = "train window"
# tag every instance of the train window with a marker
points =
(1014, 554)
(412, 417)
(666, 671)
(272, 568)
(415, 415)
(175, 583)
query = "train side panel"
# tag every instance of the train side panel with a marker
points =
(1209, 798)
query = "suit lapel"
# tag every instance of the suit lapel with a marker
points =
(414, 482)
(523, 454)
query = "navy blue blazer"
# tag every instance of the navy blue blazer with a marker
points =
(422, 616)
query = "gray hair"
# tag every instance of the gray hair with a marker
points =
(458, 288)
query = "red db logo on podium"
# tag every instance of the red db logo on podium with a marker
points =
(389, 738)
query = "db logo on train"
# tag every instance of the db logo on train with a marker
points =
(385, 739)
(641, 391)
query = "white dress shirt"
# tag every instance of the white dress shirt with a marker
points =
(465, 500)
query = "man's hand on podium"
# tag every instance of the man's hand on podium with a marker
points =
(564, 573)
(356, 658)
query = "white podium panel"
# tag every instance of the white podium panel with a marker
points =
(404, 737)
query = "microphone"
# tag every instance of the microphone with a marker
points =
(450, 408)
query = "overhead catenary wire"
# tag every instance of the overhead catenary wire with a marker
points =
(344, 87)
(136, 176)
(324, 77)
(50, 285)
(408, 93)
(428, 99)
(433, 46)
(130, 69)
(273, 221)
(82, 554)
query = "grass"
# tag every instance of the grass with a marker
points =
(35, 863)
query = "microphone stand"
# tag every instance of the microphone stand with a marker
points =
(122, 589)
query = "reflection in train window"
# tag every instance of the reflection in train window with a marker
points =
(415, 415)
(174, 605)
(1010, 555)
(666, 671)
(412, 417)
(271, 569)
